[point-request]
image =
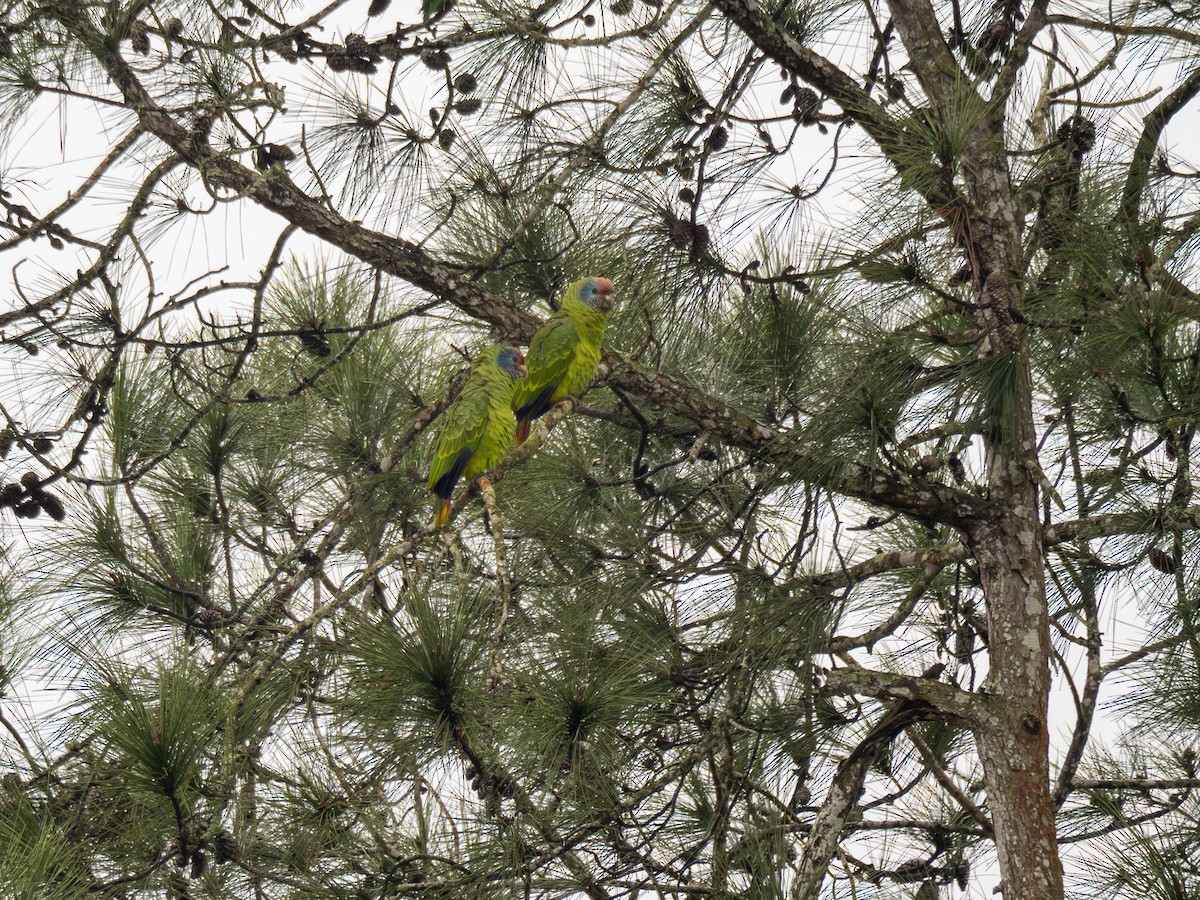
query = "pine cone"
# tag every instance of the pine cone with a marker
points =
(1162, 561)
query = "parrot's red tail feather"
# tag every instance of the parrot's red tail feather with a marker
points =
(523, 431)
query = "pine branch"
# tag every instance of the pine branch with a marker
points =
(1126, 28)
(869, 638)
(1134, 784)
(938, 770)
(1143, 155)
(841, 803)
(946, 700)
(87, 277)
(928, 55)
(46, 223)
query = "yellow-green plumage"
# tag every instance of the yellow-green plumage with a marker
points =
(478, 428)
(564, 352)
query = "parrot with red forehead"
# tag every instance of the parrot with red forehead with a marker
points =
(564, 352)
(477, 429)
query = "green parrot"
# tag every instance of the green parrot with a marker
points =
(477, 429)
(564, 352)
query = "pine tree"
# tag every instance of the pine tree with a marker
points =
(865, 568)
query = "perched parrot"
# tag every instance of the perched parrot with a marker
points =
(564, 352)
(477, 429)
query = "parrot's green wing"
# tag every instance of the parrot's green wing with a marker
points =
(462, 430)
(549, 357)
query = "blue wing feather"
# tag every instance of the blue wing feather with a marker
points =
(539, 405)
(444, 486)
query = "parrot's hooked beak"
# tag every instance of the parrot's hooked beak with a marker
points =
(606, 289)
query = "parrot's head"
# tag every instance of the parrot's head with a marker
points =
(512, 362)
(597, 293)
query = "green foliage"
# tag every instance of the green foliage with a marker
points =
(114, 564)
(782, 337)
(38, 859)
(163, 727)
(139, 415)
(417, 680)
(1167, 685)
(588, 691)
(932, 141)
(1158, 867)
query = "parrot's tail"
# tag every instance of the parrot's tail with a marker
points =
(523, 431)
(442, 515)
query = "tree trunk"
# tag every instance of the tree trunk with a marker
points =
(1012, 736)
